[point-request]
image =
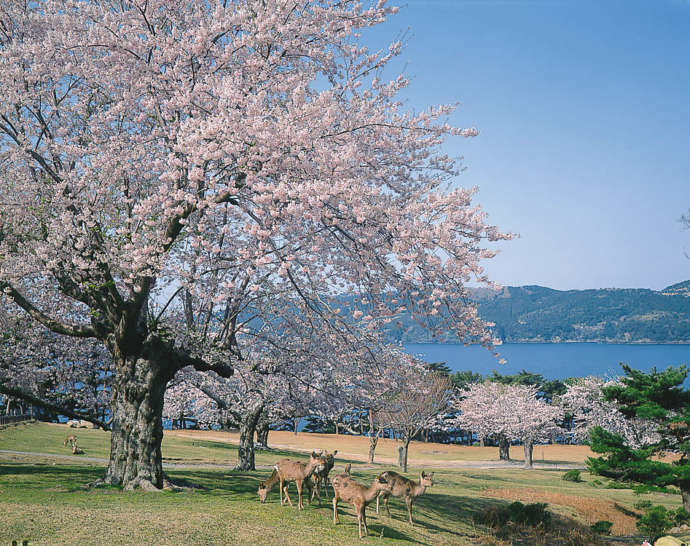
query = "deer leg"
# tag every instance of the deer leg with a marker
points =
(285, 489)
(281, 492)
(385, 502)
(408, 500)
(364, 520)
(298, 483)
(335, 510)
(377, 502)
(359, 522)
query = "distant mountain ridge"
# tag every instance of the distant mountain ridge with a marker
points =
(536, 314)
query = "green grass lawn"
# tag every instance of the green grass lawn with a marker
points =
(43, 501)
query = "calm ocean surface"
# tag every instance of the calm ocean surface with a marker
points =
(554, 360)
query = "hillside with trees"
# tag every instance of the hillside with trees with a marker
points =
(536, 314)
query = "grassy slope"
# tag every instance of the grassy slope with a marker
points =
(42, 501)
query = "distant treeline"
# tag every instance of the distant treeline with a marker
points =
(537, 314)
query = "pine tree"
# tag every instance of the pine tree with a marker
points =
(664, 459)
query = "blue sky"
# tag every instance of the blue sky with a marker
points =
(583, 110)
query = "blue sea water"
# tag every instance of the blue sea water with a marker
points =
(554, 360)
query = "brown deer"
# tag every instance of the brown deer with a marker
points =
(405, 488)
(294, 471)
(71, 440)
(267, 486)
(358, 495)
(321, 477)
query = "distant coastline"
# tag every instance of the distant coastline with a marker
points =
(537, 314)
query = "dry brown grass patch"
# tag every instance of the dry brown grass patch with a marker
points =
(421, 453)
(589, 509)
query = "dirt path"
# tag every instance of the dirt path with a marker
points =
(467, 465)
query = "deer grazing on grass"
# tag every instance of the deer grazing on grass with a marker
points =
(358, 495)
(321, 476)
(405, 488)
(71, 440)
(293, 471)
(266, 486)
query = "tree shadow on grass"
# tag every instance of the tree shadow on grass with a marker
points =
(44, 476)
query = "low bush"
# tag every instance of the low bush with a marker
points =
(680, 516)
(643, 504)
(655, 522)
(532, 515)
(572, 476)
(602, 527)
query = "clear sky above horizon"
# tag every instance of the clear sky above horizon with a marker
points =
(583, 110)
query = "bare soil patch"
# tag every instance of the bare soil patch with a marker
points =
(421, 453)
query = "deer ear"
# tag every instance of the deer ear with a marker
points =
(314, 455)
(423, 475)
(335, 452)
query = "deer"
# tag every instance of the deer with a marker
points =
(71, 440)
(266, 486)
(322, 475)
(405, 488)
(294, 471)
(358, 495)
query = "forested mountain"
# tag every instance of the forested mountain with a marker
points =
(537, 314)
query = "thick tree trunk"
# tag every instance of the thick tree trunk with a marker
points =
(295, 423)
(373, 440)
(137, 430)
(504, 449)
(262, 430)
(245, 452)
(529, 446)
(403, 455)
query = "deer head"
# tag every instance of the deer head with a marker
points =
(317, 461)
(263, 492)
(426, 479)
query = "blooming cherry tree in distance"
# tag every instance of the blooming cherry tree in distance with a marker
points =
(585, 400)
(414, 404)
(509, 412)
(183, 401)
(62, 375)
(149, 150)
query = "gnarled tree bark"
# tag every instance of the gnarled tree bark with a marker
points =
(504, 449)
(248, 424)
(137, 430)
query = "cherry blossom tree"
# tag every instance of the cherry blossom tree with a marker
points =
(151, 150)
(183, 401)
(534, 420)
(509, 412)
(585, 400)
(485, 410)
(414, 405)
(63, 377)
